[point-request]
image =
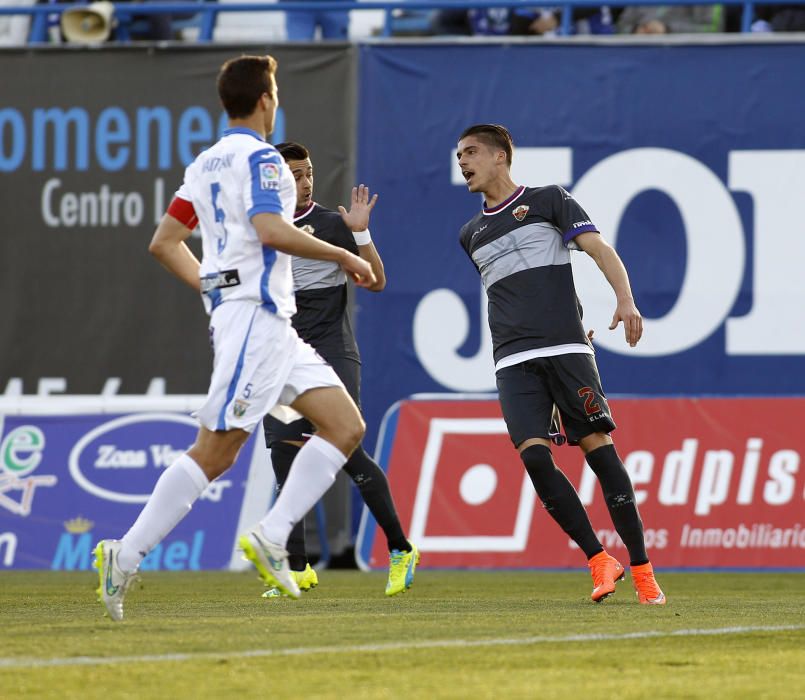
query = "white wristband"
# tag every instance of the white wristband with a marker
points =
(362, 237)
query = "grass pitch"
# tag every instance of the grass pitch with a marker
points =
(453, 635)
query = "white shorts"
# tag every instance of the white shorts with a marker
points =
(259, 362)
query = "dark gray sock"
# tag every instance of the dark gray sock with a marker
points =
(620, 500)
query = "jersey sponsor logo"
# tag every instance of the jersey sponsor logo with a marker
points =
(269, 176)
(520, 212)
(579, 224)
(219, 280)
(307, 228)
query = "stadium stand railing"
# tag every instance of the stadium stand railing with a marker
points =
(43, 15)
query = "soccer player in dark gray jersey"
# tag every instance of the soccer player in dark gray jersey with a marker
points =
(322, 320)
(520, 244)
(525, 265)
(322, 315)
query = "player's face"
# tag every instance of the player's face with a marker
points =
(273, 103)
(303, 174)
(479, 163)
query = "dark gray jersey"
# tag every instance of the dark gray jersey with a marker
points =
(322, 316)
(521, 250)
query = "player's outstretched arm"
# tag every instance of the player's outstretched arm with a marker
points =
(169, 248)
(357, 219)
(614, 270)
(274, 231)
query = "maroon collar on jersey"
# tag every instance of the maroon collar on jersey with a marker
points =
(503, 205)
(302, 213)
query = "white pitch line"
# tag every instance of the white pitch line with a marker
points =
(27, 662)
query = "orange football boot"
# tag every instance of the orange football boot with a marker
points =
(645, 585)
(606, 571)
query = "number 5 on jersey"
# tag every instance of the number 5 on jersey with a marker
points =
(220, 216)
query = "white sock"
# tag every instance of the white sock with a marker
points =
(312, 473)
(172, 498)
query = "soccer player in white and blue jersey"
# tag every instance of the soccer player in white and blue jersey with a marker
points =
(242, 195)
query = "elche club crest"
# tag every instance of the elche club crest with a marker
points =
(520, 212)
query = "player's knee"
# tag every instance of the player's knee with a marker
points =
(593, 441)
(215, 455)
(345, 431)
(213, 465)
(355, 432)
(539, 464)
(537, 458)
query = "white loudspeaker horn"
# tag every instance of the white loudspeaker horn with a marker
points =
(90, 24)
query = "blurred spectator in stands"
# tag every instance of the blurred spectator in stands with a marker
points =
(157, 27)
(768, 18)
(151, 27)
(14, 28)
(301, 25)
(781, 18)
(504, 21)
(670, 19)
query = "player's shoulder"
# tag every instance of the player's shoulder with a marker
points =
(546, 193)
(324, 214)
(327, 225)
(324, 218)
(547, 200)
(250, 150)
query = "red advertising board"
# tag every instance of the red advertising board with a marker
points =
(719, 483)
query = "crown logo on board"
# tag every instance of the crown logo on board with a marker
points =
(78, 526)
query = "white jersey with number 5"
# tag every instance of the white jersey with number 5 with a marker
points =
(238, 177)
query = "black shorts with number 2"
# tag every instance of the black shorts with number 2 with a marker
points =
(529, 390)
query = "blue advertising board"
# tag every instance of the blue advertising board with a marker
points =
(689, 158)
(67, 481)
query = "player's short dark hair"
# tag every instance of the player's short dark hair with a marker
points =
(290, 150)
(494, 135)
(242, 81)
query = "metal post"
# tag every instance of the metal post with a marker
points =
(387, 24)
(207, 25)
(566, 26)
(38, 33)
(747, 17)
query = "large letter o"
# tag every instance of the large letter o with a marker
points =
(715, 245)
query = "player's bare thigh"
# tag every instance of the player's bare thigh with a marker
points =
(335, 415)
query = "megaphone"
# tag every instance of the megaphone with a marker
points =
(90, 24)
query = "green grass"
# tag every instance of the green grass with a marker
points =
(55, 616)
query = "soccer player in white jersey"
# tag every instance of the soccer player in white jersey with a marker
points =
(243, 196)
